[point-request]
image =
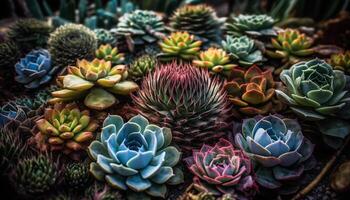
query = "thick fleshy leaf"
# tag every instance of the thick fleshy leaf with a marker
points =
(163, 175)
(124, 88)
(99, 99)
(284, 174)
(265, 178)
(141, 121)
(308, 114)
(137, 183)
(153, 167)
(116, 120)
(104, 162)
(289, 158)
(177, 178)
(157, 190)
(97, 171)
(172, 156)
(126, 129)
(334, 127)
(125, 155)
(116, 181)
(158, 133)
(257, 148)
(141, 160)
(123, 170)
(97, 148)
(277, 148)
(320, 96)
(76, 83)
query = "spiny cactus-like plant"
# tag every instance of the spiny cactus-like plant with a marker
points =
(179, 45)
(76, 175)
(9, 55)
(29, 34)
(105, 37)
(291, 45)
(71, 42)
(252, 91)
(215, 60)
(199, 20)
(253, 25)
(65, 128)
(279, 149)
(35, 175)
(222, 169)
(185, 99)
(141, 66)
(341, 62)
(141, 27)
(35, 69)
(94, 81)
(243, 50)
(135, 156)
(107, 53)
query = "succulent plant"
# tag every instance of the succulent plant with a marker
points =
(141, 66)
(38, 100)
(105, 37)
(9, 55)
(35, 175)
(222, 169)
(179, 45)
(198, 196)
(186, 100)
(278, 148)
(71, 42)
(141, 27)
(29, 34)
(253, 25)
(252, 91)
(135, 156)
(76, 175)
(290, 45)
(65, 128)
(94, 80)
(215, 60)
(243, 50)
(341, 62)
(11, 112)
(11, 148)
(35, 69)
(99, 191)
(199, 20)
(107, 53)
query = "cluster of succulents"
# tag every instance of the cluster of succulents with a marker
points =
(105, 37)
(141, 66)
(107, 53)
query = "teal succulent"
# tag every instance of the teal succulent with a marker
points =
(279, 149)
(243, 50)
(76, 175)
(11, 112)
(38, 100)
(254, 25)
(135, 156)
(105, 37)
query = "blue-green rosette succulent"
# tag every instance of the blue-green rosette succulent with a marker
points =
(35, 69)
(135, 156)
(11, 112)
(279, 150)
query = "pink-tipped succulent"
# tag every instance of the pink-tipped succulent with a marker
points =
(222, 169)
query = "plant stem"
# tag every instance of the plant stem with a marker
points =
(324, 171)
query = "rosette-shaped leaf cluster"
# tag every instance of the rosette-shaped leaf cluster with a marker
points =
(9, 55)
(252, 91)
(341, 62)
(65, 128)
(179, 45)
(107, 53)
(186, 100)
(222, 169)
(243, 50)
(215, 60)
(105, 37)
(141, 27)
(29, 34)
(71, 42)
(35, 175)
(39, 100)
(135, 156)
(279, 149)
(11, 112)
(35, 69)
(92, 80)
(199, 20)
(77, 175)
(290, 45)
(141, 66)
(254, 25)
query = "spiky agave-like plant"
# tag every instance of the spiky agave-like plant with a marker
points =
(76, 175)
(185, 99)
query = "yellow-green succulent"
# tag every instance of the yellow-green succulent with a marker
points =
(107, 53)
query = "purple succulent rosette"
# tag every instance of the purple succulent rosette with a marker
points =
(279, 150)
(222, 169)
(35, 69)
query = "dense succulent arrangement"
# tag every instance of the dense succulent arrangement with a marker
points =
(116, 101)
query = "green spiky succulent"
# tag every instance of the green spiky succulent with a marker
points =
(107, 53)
(141, 27)
(105, 37)
(71, 42)
(9, 55)
(199, 20)
(29, 34)
(141, 66)
(38, 100)
(35, 175)
(76, 175)
(11, 149)
(341, 61)
(253, 25)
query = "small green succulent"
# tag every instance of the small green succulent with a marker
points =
(341, 61)
(107, 53)
(243, 50)
(105, 37)
(141, 66)
(76, 175)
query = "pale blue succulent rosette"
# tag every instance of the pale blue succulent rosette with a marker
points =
(316, 92)
(11, 112)
(280, 152)
(35, 69)
(135, 156)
